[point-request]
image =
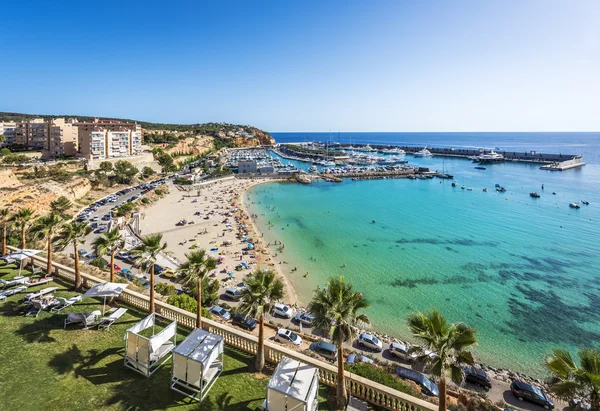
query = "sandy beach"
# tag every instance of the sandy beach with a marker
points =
(217, 220)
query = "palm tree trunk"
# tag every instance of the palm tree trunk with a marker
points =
(341, 383)
(49, 262)
(77, 273)
(152, 289)
(199, 315)
(112, 267)
(442, 388)
(23, 242)
(260, 351)
(4, 239)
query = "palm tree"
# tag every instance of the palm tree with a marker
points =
(109, 243)
(147, 252)
(22, 220)
(262, 291)
(336, 311)
(569, 379)
(196, 268)
(448, 342)
(4, 216)
(61, 205)
(75, 234)
(44, 228)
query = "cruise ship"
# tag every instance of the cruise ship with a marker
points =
(423, 153)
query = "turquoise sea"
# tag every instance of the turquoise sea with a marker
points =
(523, 271)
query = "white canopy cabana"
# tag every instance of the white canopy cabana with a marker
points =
(105, 290)
(146, 354)
(197, 363)
(294, 386)
(20, 255)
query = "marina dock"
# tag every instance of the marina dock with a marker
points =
(552, 162)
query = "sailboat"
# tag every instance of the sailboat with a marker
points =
(443, 174)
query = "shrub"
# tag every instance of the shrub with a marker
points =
(188, 303)
(165, 289)
(383, 377)
(99, 262)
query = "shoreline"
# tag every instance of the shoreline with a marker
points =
(255, 233)
(500, 374)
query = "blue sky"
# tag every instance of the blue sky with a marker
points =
(421, 65)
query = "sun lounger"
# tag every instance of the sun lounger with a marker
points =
(40, 281)
(106, 322)
(62, 303)
(15, 281)
(5, 294)
(86, 320)
(39, 293)
(41, 304)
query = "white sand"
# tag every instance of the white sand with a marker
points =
(225, 200)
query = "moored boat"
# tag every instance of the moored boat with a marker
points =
(574, 205)
(534, 194)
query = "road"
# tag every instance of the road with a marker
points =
(106, 209)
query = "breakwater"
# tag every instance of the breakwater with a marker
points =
(518, 156)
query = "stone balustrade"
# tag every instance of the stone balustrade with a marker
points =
(357, 386)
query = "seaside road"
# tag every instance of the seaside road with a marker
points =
(500, 390)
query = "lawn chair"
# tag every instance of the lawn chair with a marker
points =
(37, 281)
(41, 304)
(5, 294)
(37, 270)
(15, 281)
(86, 320)
(62, 303)
(106, 322)
(37, 294)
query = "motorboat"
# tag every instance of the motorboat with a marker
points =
(469, 189)
(485, 190)
(500, 189)
(480, 168)
(585, 202)
(423, 153)
(534, 194)
(491, 157)
(454, 184)
(574, 205)
(312, 169)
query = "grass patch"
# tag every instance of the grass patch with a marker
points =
(47, 367)
(384, 377)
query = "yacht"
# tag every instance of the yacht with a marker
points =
(491, 157)
(328, 163)
(423, 153)
(312, 169)
(397, 151)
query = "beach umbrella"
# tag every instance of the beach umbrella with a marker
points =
(105, 290)
(20, 255)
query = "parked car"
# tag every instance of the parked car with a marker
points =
(94, 226)
(427, 386)
(287, 336)
(370, 341)
(220, 312)
(305, 319)
(158, 269)
(244, 321)
(169, 274)
(398, 350)
(353, 359)
(106, 217)
(233, 294)
(283, 310)
(531, 393)
(116, 267)
(81, 252)
(477, 376)
(325, 349)
(122, 255)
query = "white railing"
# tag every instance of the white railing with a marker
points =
(357, 386)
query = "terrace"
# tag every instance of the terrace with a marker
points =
(75, 368)
(47, 365)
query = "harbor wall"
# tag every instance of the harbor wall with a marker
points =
(525, 156)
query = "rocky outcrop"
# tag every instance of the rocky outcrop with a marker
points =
(8, 179)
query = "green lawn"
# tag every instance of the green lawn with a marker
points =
(46, 367)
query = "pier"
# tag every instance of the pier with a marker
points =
(553, 162)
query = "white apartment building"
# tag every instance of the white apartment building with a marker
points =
(8, 130)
